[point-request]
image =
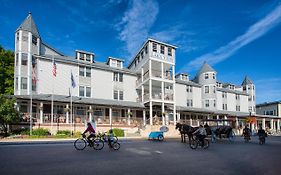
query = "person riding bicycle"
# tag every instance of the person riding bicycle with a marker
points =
(261, 132)
(201, 134)
(247, 132)
(110, 138)
(91, 130)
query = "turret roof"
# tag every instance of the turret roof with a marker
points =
(29, 25)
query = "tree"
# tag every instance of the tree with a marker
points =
(8, 113)
(6, 71)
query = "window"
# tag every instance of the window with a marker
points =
(115, 76)
(88, 72)
(145, 49)
(88, 57)
(188, 88)
(115, 95)
(17, 59)
(24, 59)
(189, 103)
(23, 83)
(18, 36)
(169, 51)
(81, 71)
(214, 103)
(17, 83)
(141, 54)
(238, 108)
(34, 40)
(214, 76)
(206, 89)
(224, 95)
(207, 104)
(237, 97)
(113, 63)
(120, 77)
(162, 49)
(206, 76)
(154, 47)
(224, 106)
(250, 98)
(24, 36)
(244, 88)
(121, 94)
(81, 91)
(118, 63)
(33, 86)
(81, 57)
(214, 89)
(88, 91)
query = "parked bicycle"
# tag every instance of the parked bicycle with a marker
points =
(81, 143)
(194, 143)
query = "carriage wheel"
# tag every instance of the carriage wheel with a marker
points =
(206, 144)
(161, 137)
(231, 137)
(193, 144)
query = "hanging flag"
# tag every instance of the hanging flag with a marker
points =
(73, 84)
(54, 68)
(33, 74)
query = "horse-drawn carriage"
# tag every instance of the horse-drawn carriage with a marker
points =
(219, 128)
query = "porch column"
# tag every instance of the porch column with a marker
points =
(174, 113)
(110, 116)
(67, 114)
(150, 113)
(271, 124)
(263, 123)
(190, 119)
(129, 117)
(163, 117)
(198, 123)
(144, 117)
(278, 125)
(218, 117)
(41, 112)
(225, 118)
(90, 113)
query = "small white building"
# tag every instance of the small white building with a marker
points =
(70, 91)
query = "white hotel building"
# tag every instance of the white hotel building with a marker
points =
(145, 93)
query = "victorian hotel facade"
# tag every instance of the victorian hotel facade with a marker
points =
(67, 92)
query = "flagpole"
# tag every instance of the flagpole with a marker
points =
(52, 103)
(71, 115)
(30, 118)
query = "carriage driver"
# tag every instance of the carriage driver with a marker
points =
(201, 134)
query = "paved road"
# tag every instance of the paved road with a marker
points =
(144, 158)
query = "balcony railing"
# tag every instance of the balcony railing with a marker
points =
(169, 97)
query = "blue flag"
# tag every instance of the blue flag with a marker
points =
(73, 84)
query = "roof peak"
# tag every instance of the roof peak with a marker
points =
(205, 68)
(247, 81)
(29, 25)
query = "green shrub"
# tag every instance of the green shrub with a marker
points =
(40, 132)
(21, 131)
(64, 132)
(118, 132)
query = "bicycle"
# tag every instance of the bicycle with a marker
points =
(112, 141)
(81, 143)
(103, 136)
(194, 143)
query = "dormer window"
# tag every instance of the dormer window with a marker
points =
(169, 51)
(154, 47)
(206, 76)
(85, 56)
(81, 57)
(119, 64)
(88, 57)
(162, 49)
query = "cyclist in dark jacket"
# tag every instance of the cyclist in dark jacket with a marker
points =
(91, 130)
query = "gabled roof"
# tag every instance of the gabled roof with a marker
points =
(205, 68)
(246, 81)
(29, 25)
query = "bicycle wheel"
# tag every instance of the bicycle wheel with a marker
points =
(115, 145)
(80, 144)
(98, 144)
(206, 144)
(193, 144)
(160, 137)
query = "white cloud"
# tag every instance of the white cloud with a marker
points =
(254, 32)
(136, 23)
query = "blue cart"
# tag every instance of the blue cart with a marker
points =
(156, 135)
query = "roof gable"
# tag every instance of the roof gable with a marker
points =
(29, 25)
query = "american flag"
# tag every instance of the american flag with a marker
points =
(54, 68)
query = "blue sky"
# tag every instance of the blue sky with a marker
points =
(236, 37)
